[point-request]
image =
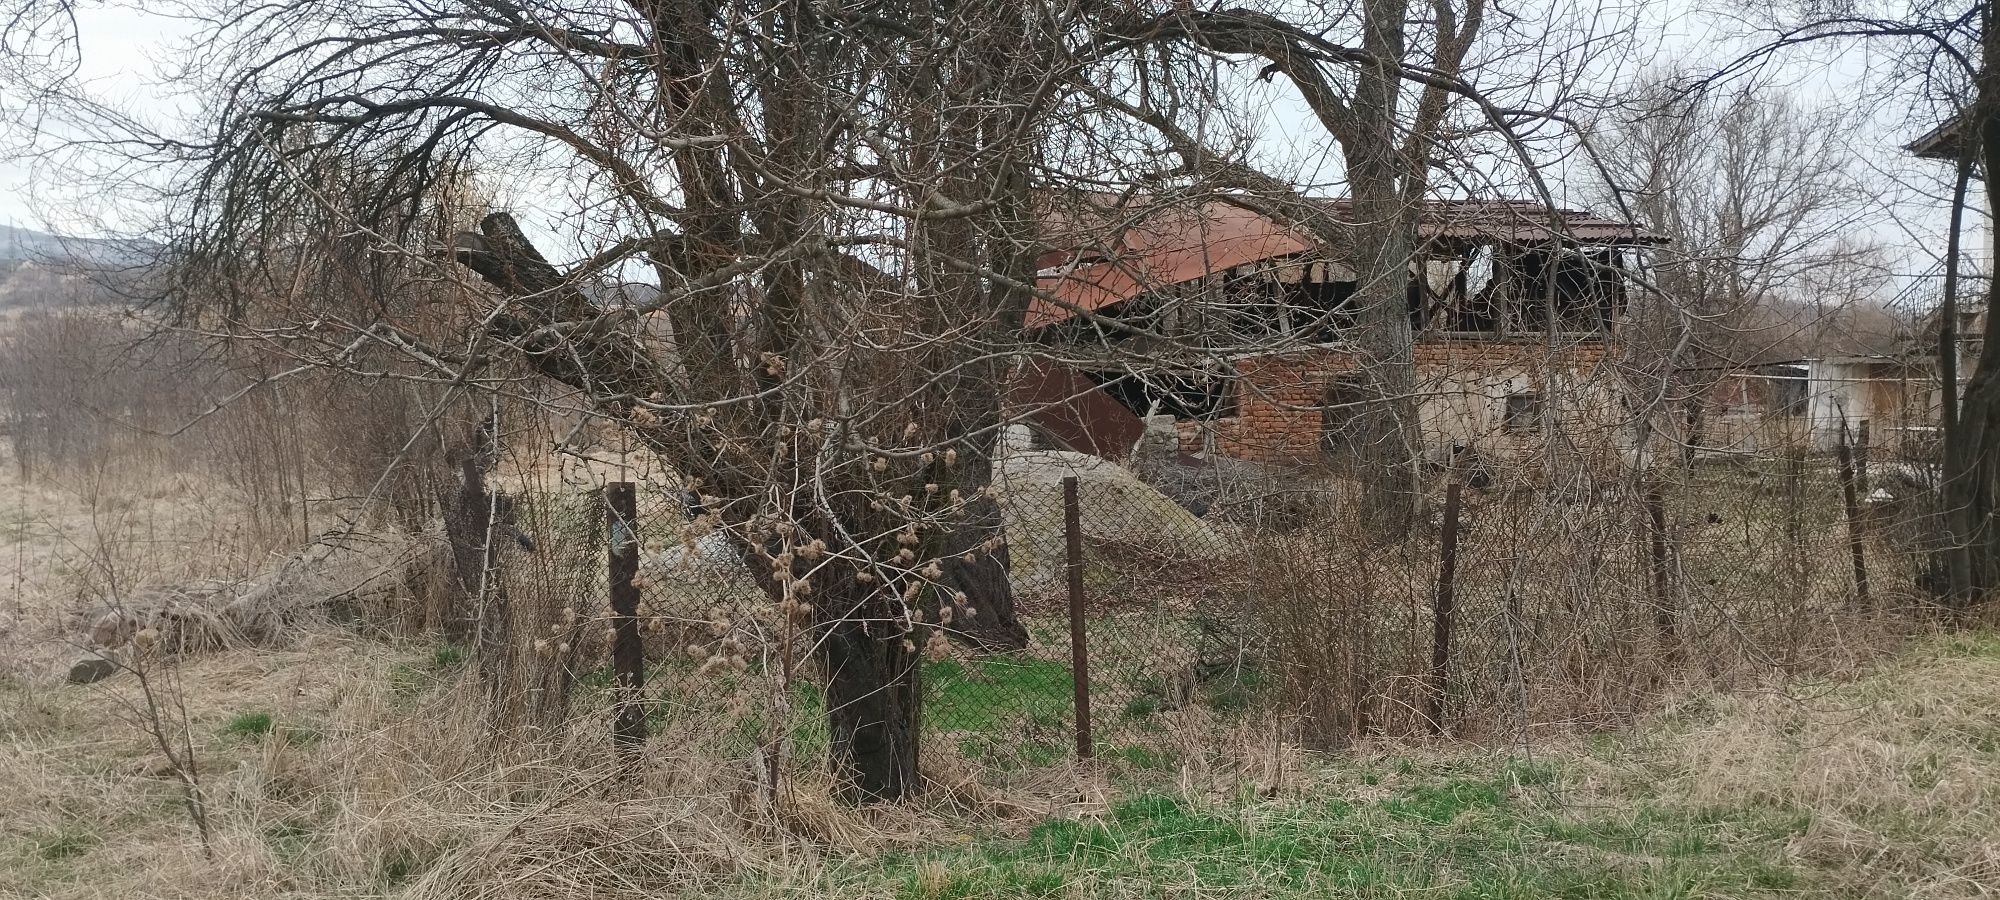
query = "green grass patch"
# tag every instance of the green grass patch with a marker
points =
(1136, 757)
(256, 725)
(447, 656)
(1009, 713)
(289, 840)
(67, 843)
(252, 725)
(1439, 804)
(1460, 832)
(1970, 645)
(991, 693)
(412, 679)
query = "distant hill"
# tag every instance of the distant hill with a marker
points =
(22, 243)
(26, 244)
(39, 270)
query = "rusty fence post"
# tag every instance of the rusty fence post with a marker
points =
(1855, 526)
(1443, 610)
(628, 661)
(1861, 461)
(1079, 638)
(1663, 601)
(1795, 501)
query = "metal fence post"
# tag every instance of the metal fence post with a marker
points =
(1663, 603)
(1854, 523)
(628, 659)
(1861, 460)
(1079, 640)
(1443, 610)
(1795, 529)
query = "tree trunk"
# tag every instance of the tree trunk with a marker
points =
(1385, 432)
(1950, 571)
(986, 619)
(1971, 470)
(1385, 240)
(869, 647)
(874, 687)
(467, 522)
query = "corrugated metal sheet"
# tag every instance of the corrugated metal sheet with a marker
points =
(1943, 142)
(1072, 410)
(1173, 247)
(1069, 408)
(1524, 222)
(1116, 252)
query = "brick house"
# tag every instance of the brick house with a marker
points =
(1239, 330)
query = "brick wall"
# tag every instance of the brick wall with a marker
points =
(1277, 405)
(1461, 382)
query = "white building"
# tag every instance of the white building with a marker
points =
(1895, 399)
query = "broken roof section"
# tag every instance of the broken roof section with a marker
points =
(1945, 142)
(1104, 252)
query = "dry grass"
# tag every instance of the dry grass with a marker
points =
(378, 779)
(96, 537)
(341, 766)
(1897, 772)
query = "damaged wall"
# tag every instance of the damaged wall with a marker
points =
(1499, 397)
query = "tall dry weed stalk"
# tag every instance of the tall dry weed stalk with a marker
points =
(1562, 592)
(1338, 616)
(114, 566)
(554, 593)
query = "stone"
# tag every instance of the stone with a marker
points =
(91, 668)
(1016, 439)
(1160, 443)
(684, 583)
(714, 554)
(1115, 506)
(111, 629)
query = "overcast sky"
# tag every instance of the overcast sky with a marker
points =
(119, 51)
(122, 49)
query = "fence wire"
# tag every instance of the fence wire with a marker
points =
(1222, 604)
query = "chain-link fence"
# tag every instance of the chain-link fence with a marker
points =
(1224, 603)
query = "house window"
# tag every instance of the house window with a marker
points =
(1320, 311)
(1523, 412)
(1583, 289)
(1788, 396)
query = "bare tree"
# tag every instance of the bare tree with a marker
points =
(1945, 60)
(839, 207)
(1754, 192)
(835, 205)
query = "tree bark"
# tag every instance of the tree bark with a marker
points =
(1972, 449)
(1951, 560)
(874, 688)
(986, 619)
(467, 523)
(1385, 242)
